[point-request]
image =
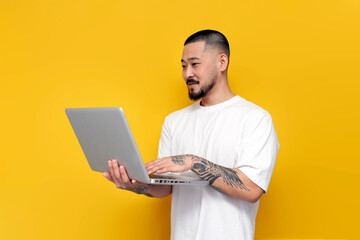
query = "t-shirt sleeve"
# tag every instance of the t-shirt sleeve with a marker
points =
(165, 140)
(258, 149)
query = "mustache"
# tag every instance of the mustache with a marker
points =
(190, 80)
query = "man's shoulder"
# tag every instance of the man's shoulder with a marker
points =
(243, 108)
(254, 115)
(251, 108)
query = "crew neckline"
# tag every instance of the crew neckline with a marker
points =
(219, 105)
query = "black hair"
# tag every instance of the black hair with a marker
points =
(212, 38)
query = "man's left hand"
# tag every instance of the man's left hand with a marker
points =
(181, 163)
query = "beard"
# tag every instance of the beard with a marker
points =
(203, 90)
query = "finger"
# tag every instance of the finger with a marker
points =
(138, 184)
(114, 171)
(154, 165)
(111, 170)
(148, 169)
(108, 176)
(164, 165)
(124, 177)
(155, 169)
(163, 170)
(152, 169)
(153, 161)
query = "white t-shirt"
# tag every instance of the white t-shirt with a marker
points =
(234, 134)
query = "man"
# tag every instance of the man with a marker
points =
(223, 139)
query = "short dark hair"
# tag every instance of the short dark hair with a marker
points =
(211, 37)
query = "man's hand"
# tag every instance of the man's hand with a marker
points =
(117, 174)
(180, 163)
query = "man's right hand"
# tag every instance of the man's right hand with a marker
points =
(118, 175)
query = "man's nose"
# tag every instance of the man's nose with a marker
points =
(188, 74)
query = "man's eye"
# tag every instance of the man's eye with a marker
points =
(194, 64)
(183, 66)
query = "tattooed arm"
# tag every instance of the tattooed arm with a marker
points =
(230, 181)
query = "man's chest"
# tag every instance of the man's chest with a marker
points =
(215, 138)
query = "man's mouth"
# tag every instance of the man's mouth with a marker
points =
(191, 82)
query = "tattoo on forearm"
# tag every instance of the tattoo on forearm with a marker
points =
(218, 189)
(148, 194)
(141, 190)
(178, 160)
(210, 172)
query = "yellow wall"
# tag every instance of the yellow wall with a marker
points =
(300, 60)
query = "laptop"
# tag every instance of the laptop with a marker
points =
(104, 134)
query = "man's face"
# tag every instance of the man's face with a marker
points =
(199, 69)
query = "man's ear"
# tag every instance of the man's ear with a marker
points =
(224, 61)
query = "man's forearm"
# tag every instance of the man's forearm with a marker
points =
(209, 171)
(158, 191)
(230, 181)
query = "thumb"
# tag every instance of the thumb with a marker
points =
(108, 176)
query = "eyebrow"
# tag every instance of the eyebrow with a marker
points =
(189, 59)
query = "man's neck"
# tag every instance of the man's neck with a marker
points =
(220, 93)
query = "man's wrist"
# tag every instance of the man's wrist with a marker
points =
(192, 160)
(188, 160)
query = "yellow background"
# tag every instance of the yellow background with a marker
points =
(300, 60)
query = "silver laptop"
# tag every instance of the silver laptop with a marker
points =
(104, 134)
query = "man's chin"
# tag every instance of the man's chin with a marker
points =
(195, 95)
